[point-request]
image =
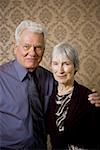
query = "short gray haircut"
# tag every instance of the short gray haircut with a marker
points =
(31, 26)
(66, 49)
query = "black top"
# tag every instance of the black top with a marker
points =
(81, 125)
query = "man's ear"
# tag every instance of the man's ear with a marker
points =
(15, 48)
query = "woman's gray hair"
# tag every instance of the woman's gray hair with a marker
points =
(66, 49)
(31, 26)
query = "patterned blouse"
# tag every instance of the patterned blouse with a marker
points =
(62, 105)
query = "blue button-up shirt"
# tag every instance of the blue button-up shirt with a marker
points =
(15, 116)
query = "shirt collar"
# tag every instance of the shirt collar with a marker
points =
(20, 70)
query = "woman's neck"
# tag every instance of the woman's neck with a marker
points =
(63, 89)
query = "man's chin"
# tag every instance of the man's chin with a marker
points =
(32, 67)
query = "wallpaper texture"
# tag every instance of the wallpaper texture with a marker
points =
(75, 21)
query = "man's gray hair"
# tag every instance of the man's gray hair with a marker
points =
(66, 49)
(31, 26)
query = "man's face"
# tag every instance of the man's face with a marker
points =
(30, 49)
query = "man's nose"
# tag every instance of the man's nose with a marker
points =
(33, 50)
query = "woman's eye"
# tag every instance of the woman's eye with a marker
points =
(55, 63)
(66, 64)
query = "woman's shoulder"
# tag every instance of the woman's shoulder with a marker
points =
(82, 88)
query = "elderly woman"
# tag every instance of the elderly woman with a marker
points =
(73, 122)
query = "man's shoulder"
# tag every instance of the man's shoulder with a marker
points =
(41, 71)
(45, 80)
(5, 67)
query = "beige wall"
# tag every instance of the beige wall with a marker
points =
(76, 21)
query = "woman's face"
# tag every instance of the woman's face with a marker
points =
(63, 70)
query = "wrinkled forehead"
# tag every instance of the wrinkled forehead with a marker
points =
(61, 59)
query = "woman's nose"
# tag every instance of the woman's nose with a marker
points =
(60, 69)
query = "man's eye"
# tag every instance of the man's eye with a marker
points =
(26, 47)
(39, 47)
